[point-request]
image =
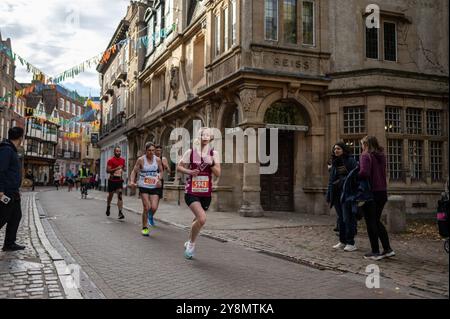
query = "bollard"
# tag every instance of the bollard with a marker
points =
(396, 214)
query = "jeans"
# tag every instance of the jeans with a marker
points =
(10, 215)
(347, 224)
(375, 228)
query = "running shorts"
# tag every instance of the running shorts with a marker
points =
(151, 191)
(114, 185)
(204, 201)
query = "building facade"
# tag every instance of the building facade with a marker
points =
(120, 88)
(90, 152)
(65, 109)
(313, 69)
(41, 137)
(11, 110)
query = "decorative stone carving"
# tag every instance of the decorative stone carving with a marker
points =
(394, 101)
(248, 97)
(294, 88)
(175, 81)
(354, 101)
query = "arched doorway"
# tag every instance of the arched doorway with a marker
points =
(166, 145)
(277, 190)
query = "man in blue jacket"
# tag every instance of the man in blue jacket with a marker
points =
(10, 181)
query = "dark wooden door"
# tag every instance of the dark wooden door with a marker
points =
(277, 190)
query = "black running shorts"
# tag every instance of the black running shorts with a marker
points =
(114, 185)
(204, 201)
(151, 191)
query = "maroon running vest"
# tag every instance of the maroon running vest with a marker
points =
(200, 185)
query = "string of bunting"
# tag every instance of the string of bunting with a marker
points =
(101, 58)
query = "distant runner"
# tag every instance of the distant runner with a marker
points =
(115, 169)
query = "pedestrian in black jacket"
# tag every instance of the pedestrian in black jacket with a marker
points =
(341, 165)
(10, 181)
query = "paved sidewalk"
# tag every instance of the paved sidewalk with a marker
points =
(31, 273)
(421, 264)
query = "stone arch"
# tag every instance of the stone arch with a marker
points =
(195, 116)
(164, 141)
(165, 133)
(224, 112)
(276, 96)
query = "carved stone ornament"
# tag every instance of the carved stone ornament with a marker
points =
(175, 81)
(248, 97)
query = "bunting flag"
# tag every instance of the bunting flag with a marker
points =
(101, 58)
(5, 98)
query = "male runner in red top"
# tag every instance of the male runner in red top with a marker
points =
(115, 168)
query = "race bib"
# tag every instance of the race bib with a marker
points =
(150, 181)
(200, 184)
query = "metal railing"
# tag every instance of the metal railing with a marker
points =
(118, 121)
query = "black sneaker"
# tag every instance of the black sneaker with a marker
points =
(388, 253)
(13, 247)
(121, 215)
(107, 211)
(373, 256)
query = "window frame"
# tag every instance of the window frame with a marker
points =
(365, 43)
(296, 20)
(433, 163)
(217, 34)
(400, 127)
(313, 27)
(277, 17)
(348, 133)
(384, 40)
(421, 170)
(434, 114)
(401, 170)
(414, 130)
(225, 13)
(233, 25)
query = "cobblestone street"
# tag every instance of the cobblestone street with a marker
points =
(117, 262)
(421, 264)
(31, 273)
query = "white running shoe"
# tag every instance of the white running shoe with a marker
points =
(189, 250)
(350, 248)
(339, 246)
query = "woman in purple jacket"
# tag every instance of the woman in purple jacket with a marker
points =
(373, 167)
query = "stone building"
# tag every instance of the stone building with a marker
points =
(7, 87)
(314, 70)
(118, 70)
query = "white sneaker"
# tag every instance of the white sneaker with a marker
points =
(350, 248)
(189, 250)
(339, 246)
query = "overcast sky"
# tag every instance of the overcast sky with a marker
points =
(55, 35)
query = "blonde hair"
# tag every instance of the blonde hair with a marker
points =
(198, 140)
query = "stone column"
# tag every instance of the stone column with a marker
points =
(318, 173)
(251, 188)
